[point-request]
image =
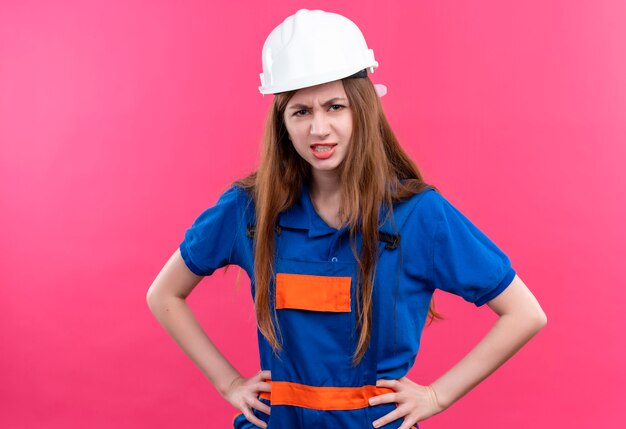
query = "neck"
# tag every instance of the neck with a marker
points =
(325, 184)
(326, 197)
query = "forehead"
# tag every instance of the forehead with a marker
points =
(318, 93)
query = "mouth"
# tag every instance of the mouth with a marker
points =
(322, 147)
(323, 150)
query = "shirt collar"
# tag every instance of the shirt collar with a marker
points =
(302, 215)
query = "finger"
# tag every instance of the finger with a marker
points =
(408, 423)
(392, 384)
(388, 418)
(264, 387)
(264, 375)
(264, 408)
(253, 419)
(383, 399)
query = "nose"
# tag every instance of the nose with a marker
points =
(320, 126)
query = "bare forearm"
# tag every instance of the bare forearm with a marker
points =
(503, 340)
(179, 321)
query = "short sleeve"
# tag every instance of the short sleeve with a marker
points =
(465, 261)
(212, 240)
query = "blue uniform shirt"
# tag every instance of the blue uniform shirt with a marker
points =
(440, 248)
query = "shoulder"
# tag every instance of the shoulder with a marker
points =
(244, 199)
(229, 207)
(416, 211)
(427, 212)
(216, 236)
(434, 205)
(235, 197)
(235, 193)
(427, 203)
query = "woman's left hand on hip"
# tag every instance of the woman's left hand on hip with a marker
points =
(414, 402)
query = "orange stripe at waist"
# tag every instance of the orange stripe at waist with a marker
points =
(321, 398)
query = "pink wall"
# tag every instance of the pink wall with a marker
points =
(120, 121)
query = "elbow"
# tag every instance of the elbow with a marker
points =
(544, 319)
(159, 300)
(151, 298)
(539, 320)
(530, 321)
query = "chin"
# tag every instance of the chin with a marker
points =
(326, 169)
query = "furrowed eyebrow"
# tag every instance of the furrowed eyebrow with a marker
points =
(334, 100)
(298, 107)
(326, 103)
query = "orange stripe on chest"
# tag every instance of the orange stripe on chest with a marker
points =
(315, 293)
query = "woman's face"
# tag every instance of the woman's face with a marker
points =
(319, 123)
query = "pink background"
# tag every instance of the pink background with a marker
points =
(120, 121)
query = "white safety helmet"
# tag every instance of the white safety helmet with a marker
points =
(310, 48)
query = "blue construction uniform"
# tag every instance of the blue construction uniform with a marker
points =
(427, 245)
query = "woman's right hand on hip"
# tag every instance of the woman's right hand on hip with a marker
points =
(243, 394)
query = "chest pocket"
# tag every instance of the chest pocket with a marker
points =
(314, 293)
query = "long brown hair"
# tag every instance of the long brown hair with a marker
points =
(375, 172)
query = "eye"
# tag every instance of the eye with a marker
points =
(300, 112)
(336, 107)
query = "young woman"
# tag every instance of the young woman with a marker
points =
(344, 244)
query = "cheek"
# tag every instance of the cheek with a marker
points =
(301, 149)
(298, 132)
(299, 143)
(347, 126)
